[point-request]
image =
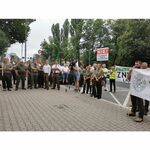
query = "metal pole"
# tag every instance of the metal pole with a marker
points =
(21, 50)
(25, 49)
(25, 40)
(89, 57)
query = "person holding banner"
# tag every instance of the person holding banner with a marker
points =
(136, 101)
(146, 103)
(137, 65)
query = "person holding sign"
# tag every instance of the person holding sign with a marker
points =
(136, 101)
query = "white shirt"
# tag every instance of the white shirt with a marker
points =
(65, 69)
(47, 69)
(56, 68)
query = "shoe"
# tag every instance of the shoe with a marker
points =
(4, 89)
(52, 88)
(9, 89)
(105, 90)
(16, 89)
(83, 93)
(145, 113)
(131, 114)
(24, 88)
(139, 119)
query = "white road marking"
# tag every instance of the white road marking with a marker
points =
(122, 90)
(114, 97)
(126, 101)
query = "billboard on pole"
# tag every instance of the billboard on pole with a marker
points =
(102, 54)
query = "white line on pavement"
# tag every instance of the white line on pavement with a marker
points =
(115, 98)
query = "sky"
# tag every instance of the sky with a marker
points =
(40, 30)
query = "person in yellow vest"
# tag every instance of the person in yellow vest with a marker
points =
(112, 78)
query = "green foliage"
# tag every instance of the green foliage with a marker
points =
(76, 35)
(128, 40)
(4, 42)
(16, 29)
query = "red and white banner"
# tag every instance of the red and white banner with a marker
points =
(102, 54)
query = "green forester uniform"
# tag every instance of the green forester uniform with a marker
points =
(21, 74)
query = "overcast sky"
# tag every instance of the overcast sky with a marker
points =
(40, 30)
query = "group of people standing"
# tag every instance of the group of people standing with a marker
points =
(43, 75)
(94, 77)
(36, 73)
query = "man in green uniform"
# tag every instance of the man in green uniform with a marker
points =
(87, 78)
(6, 74)
(21, 74)
(34, 74)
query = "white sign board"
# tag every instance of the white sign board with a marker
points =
(140, 83)
(102, 54)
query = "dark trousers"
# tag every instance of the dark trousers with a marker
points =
(50, 79)
(34, 79)
(134, 103)
(41, 79)
(56, 78)
(14, 76)
(81, 80)
(46, 80)
(137, 103)
(29, 81)
(99, 88)
(94, 89)
(141, 107)
(22, 78)
(71, 78)
(86, 86)
(112, 82)
(146, 106)
(6, 80)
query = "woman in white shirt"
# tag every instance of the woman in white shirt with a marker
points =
(47, 71)
(65, 71)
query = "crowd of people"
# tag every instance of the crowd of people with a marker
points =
(43, 75)
(89, 79)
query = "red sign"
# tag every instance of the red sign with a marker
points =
(102, 54)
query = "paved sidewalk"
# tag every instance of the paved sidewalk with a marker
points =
(53, 110)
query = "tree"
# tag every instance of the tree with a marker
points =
(16, 29)
(65, 40)
(76, 35)
(56, 41)
(131, 41)
(95, 35)
(4, 42)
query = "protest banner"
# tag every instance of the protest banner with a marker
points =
(122, 73)
(140, 83)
